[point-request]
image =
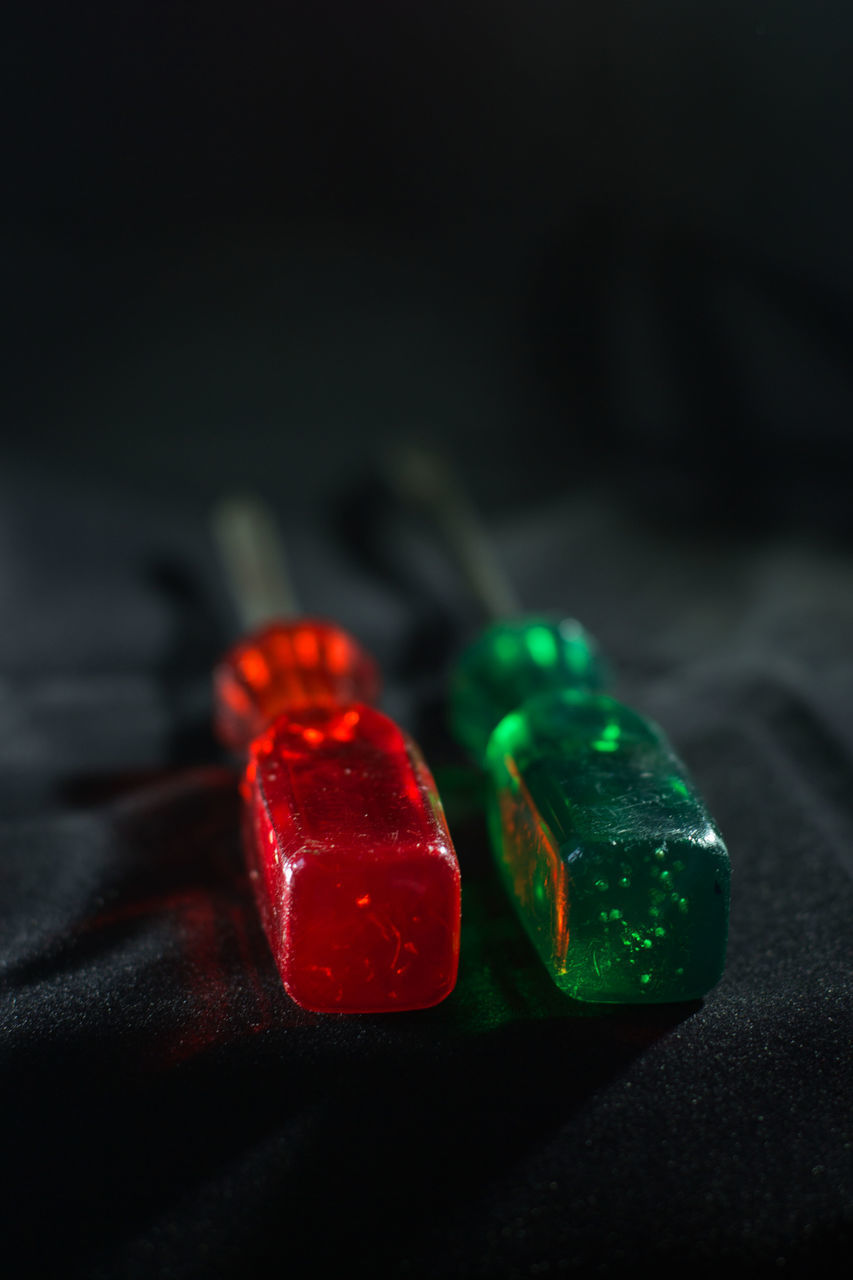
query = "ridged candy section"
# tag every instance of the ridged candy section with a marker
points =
(512, 661)
(285, 667)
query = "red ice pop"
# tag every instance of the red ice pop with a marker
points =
(353, 868)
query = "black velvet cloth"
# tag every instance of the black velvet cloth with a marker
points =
(602, 262)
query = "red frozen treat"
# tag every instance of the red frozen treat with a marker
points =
(353, 868)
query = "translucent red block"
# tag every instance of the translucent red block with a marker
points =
(288, 666)
(353, 868)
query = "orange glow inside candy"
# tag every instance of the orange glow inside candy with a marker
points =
(353, 868)
(288, 666)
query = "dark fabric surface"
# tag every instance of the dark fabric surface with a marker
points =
(166, 1106)
(601, 260)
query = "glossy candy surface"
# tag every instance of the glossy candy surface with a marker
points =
(352, 864)
(513, 660)
(287, 666)
(617, 871)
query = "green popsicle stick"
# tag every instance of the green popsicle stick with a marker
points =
(618, 873)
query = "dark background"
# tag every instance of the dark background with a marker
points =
(601, 257)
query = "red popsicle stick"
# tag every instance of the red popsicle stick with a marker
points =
(353, 868)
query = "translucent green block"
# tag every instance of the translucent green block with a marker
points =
(617, 871)
(512, 661)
